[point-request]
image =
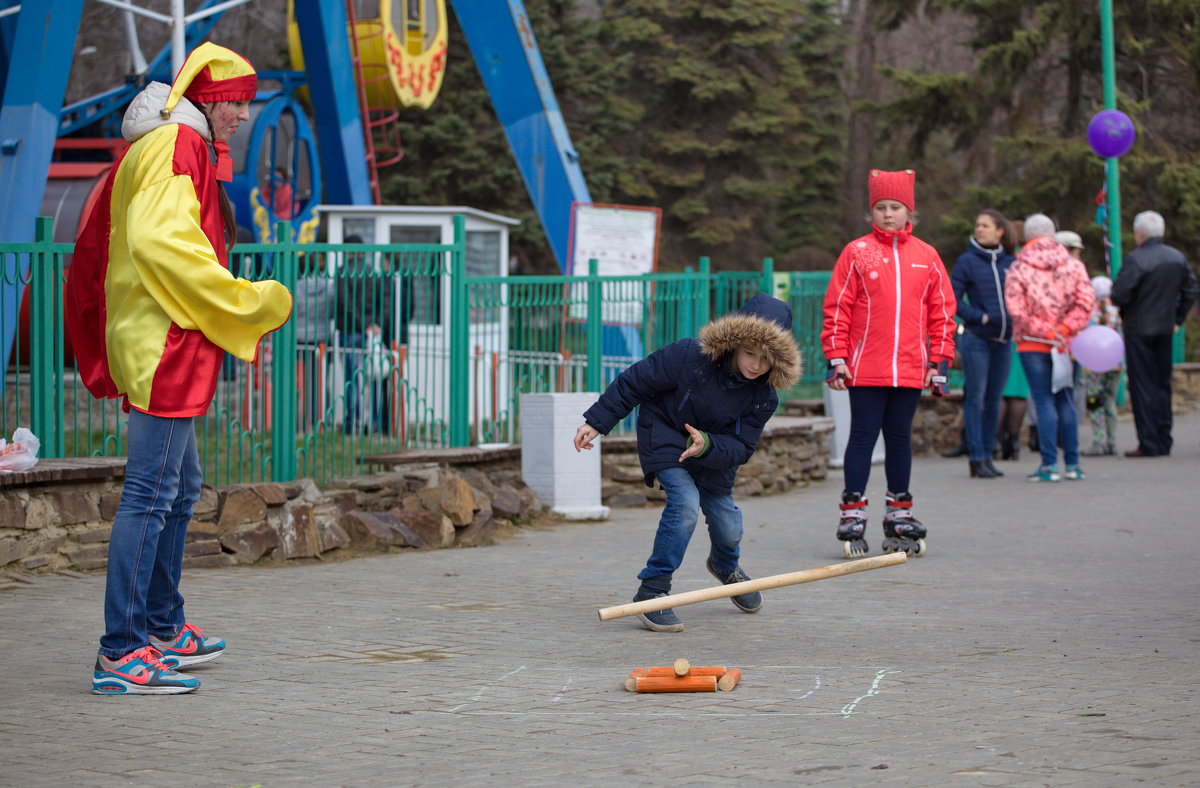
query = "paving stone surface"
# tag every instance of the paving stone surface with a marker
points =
(1048, 638)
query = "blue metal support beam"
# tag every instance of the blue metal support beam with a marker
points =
(36, 72)
(36, 81)
(82, 114)
(338, 122)
(507, 55)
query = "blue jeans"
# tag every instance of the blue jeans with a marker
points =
(145, 551)
(985, 371)
(685, 501)
(875, 408)
(1057, 421)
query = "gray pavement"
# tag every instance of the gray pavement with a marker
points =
(1049, 638)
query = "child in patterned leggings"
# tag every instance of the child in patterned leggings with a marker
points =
(1101, 387)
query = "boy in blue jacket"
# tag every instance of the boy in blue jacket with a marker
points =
(704, 403)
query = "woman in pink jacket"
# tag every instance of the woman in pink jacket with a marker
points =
(888, 326)
(1050, 299)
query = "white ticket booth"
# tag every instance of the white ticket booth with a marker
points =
(421, 300)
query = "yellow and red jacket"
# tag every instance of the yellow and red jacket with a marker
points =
(151, 306)
(889, 310)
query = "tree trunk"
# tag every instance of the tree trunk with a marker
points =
(860, 85)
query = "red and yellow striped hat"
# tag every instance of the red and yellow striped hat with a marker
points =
(213, 73)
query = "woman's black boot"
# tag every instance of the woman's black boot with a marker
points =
(980, 469)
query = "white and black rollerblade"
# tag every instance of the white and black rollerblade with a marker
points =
(901, 531)
(852, 528)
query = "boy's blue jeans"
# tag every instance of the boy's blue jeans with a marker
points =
(145, 551)
(1058, 424)
(685, 501)
(985, 372)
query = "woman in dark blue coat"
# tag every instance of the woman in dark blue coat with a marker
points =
(704, 403)
(986, 343)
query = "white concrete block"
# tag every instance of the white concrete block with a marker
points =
(566, 480)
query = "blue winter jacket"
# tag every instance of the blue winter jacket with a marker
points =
(978, 282)
(695, 381)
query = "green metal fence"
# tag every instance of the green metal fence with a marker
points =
(390, 347)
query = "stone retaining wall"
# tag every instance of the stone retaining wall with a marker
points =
(58, 515)
(792, 452)
(936, 426)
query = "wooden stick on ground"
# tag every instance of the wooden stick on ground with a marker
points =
(634, 675)
(676, 683)
(668, 671)
(681, 667)
(729, 679)
(695, 670)
(762, 584)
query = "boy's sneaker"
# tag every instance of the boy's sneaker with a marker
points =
(139, 673)
(1046, 473)
(747, 603)
(189, 647)
(1073, 473)
(657, 620)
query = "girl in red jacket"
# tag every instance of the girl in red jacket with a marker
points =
(889, 326)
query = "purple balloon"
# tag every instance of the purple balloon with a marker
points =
(1098, 348)
(1111, 133)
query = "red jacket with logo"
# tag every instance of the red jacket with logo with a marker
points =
(889, 310)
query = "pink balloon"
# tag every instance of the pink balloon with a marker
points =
(1098, 348)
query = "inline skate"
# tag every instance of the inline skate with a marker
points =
(852, 527)
(901, 531)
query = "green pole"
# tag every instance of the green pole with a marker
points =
(1112, 166)
(595, 328)
(283, 367)
(45, 341)
(460, 340)
(768, 277)
(687, 311)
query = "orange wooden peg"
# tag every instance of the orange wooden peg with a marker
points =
(696, 670)
(729, 679)
(634, 675)
(676, 683)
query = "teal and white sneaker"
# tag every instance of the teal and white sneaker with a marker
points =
(189, 647)
(1074, 473)
(1046, 473)
(141, 672)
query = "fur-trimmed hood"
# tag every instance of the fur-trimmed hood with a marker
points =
(763, 322)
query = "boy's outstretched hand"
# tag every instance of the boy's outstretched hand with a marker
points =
(584, 437)
(695, 442)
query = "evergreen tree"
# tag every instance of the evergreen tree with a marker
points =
(456, 152)
(727, 117)
(722, 140)
(1017, 122)
(811, 211)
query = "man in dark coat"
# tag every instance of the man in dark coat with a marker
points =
(704, 403)
(1154, 289)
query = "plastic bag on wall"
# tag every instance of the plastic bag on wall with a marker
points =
(21, 454)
